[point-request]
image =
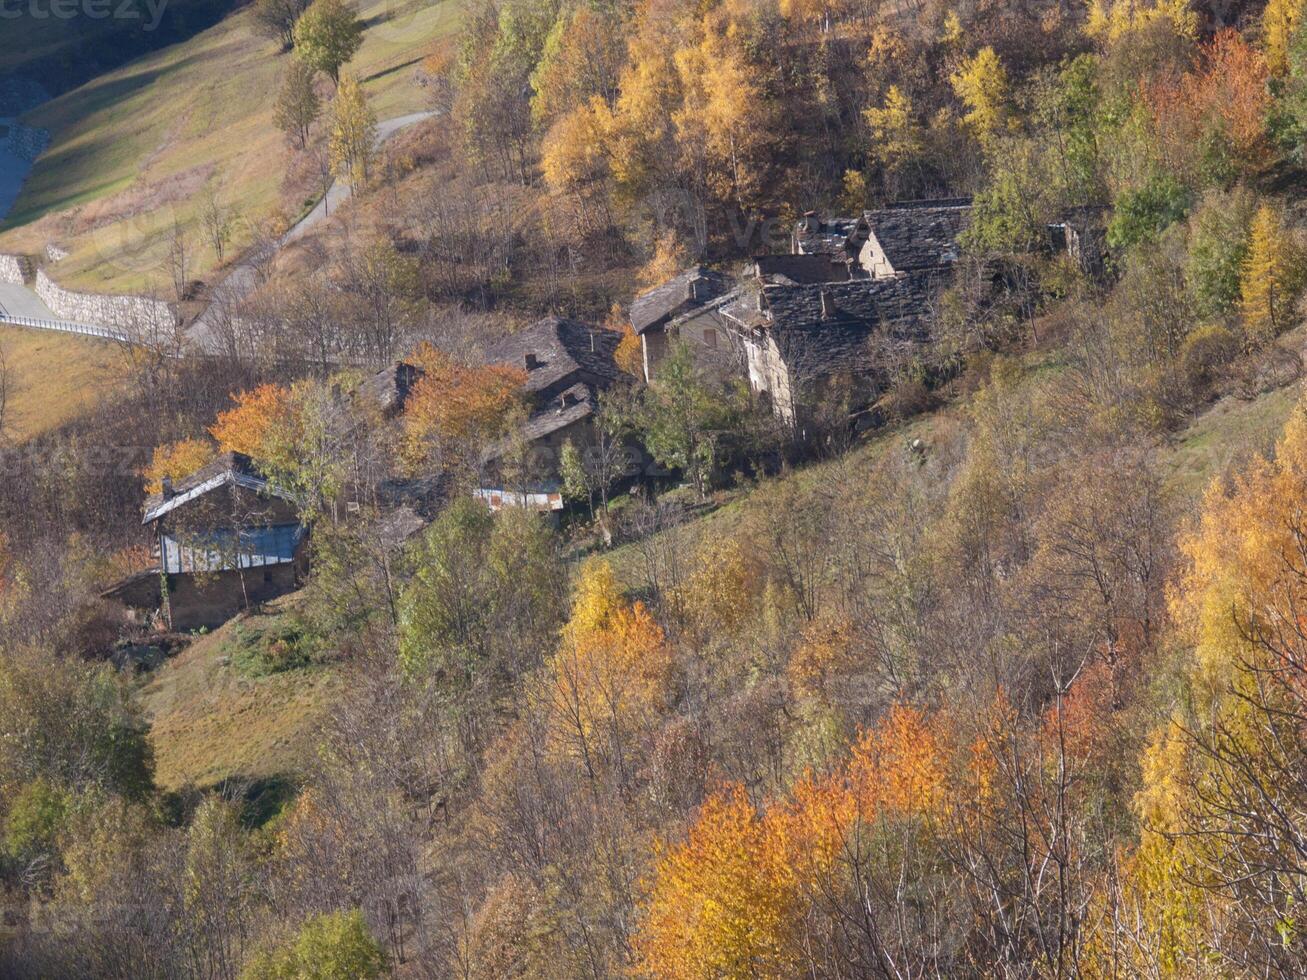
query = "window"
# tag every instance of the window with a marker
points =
(710, 338)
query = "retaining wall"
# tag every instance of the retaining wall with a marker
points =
(12, 268)
(101, 309)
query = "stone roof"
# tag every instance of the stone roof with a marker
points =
(694, 287)
(389, 388)
(829, 237)
(822, 329)
(802, 268)
(920, 234)
(556, 351)
(228, 469)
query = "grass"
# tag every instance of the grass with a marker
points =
(53, 378)
(1226, 435)
(211, 722)
(139, 149)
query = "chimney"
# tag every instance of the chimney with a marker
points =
(532, 362)
(827, 305)
(694, 289)
(166, 488)
(592, 341)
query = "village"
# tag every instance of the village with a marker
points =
(852, 299)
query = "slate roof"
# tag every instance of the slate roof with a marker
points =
(920, 234)
(803, 268)
(229, 469)
(562, 349)
(389, 388)
(694, 287)
(829, 237)
(815, 342)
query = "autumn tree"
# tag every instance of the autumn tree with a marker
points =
(247, 427)
(353, 134)
(327, 36)
(1223, 774)
(298, 106)
(1272, 276)
(1111, 20)
(175, 460)
(724, 902)
(455, 411)
(609, 679)
(897, 136)
(982, 84)
(1280, 22)
(722, 121)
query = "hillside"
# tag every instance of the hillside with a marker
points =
(139, 148)
(61, 50)
(211, 721)
(54, 378)
(737, 489)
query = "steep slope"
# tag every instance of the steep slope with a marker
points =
(140, 150)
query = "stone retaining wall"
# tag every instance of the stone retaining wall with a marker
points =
(100, 309)
(13, 269)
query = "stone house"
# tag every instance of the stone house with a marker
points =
(908, 236)
(567, 364)
(800, 338)
(683, 308)
(225, 539)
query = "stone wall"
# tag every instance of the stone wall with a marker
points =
(11, 269)
(99, 309)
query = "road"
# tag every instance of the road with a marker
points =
(21, 302)
(243, 278)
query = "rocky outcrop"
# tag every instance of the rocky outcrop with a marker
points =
(103, 310)
(14, 269)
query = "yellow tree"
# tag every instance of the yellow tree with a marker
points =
(353, 134)
(896, 135)
(722, 117)
(1279, 22)
(175, 460)
(1272, 276)
(724, 903)
(611, 674)
(982, 84)
(1110, 20)
(1225, 778)
(249, 425)
(649, 92)
(455, 410)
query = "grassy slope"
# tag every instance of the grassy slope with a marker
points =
(139, 147)
(210, 723)
(54, 378)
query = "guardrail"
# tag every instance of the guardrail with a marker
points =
(65, 326)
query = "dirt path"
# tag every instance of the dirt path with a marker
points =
(241, 281)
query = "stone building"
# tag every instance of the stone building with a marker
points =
(684, 308)
(225, 539)
(567, 364)
(909, 236)
(800, 338)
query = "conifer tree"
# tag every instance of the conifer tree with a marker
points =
(1272, 276)
(353, 134)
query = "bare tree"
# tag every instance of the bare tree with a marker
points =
(217, 220)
